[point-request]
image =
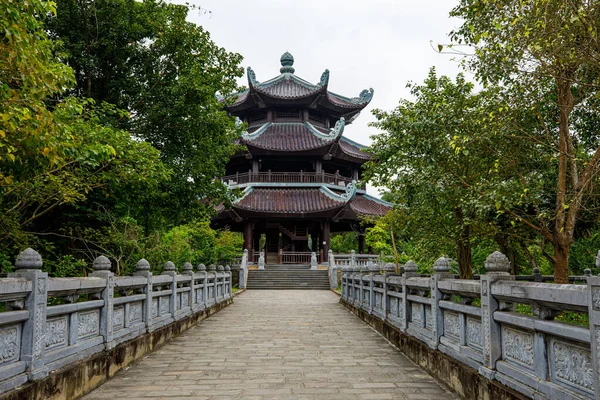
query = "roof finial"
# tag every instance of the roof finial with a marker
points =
(287, 60)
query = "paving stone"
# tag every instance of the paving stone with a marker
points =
(291, 345)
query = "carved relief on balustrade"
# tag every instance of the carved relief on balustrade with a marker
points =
(517, 346)
(57, 332)
(428, 318)
(474, 338)
(118, 318)
(136, 313)
(88, 324)
(572, 365)
(416, 313)
(451, 325)
(10, 344)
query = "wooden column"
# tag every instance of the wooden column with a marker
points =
(361, 244)
(248, 239)
(326, 244)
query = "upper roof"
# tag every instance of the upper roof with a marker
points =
(287, 88)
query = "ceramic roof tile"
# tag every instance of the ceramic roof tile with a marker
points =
(353, 150)
(287, 201)
(293, 136)
(364, 205)
(288, 89)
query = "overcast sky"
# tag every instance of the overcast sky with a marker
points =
(383, 44)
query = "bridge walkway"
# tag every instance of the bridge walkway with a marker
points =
(276, 345)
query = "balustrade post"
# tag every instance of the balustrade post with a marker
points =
(593, 290)
(410, 270)
(243, 266)
(498, 268)
(170, 269)
(228, 291)
(213, 273)
(101, 267)
(441, 269)
(333, 274)
(220, 285)
(188, 269)
(202, 272)
(33, 344)
(142, 268)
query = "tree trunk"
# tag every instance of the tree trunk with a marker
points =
(503, 242)
(561, 262)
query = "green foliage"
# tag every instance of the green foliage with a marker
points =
(545, 54)
(66, 266)
(344, 242)
(146, 57)
(81, 177)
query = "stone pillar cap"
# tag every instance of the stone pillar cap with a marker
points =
(101, 263)
(212, 267)
(442, 264)
(169, 267)
(227, 268)
(188, 267)
(29, 259)
(497, 262)
(220, 268)
(201, 268)
(410, 266)
(142, 265)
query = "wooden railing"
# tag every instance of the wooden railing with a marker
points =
(295, 257)
(286, 177)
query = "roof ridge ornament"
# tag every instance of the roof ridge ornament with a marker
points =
(350, 192)
(334, 133)
(287, 62)
(338, 129)
(364, 97)
(324, 79)
(252, 77)
(257, 133)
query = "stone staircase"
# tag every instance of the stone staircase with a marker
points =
(288, 277)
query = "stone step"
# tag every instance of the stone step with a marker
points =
(288, 277)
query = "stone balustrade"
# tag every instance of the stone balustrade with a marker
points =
(49, 323)
(474, 322)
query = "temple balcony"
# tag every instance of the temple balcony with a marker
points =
(243, 179)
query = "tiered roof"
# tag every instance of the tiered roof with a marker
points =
(300, 136)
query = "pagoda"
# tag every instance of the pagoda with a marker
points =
(299, 177)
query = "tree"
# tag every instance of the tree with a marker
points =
(528, 46)
(145, 58)
(434, 157)
(54, 153)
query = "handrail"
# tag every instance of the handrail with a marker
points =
(286, 177)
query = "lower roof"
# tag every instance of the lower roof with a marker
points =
(294, 202)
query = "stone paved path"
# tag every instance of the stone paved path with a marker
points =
(276, 345)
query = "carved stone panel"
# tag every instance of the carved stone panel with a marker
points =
(474, 333)
(135, 312)
(10, 344)
(88, 324)
(428, 318)
(451, 325)
(572, 365)
(378, 301)
(154, 307)
(118, 318)
(184, 300)
(596, 297)
(393, 307)
(517, 346)
(57, 332)
(164, 305)
(416, 310)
